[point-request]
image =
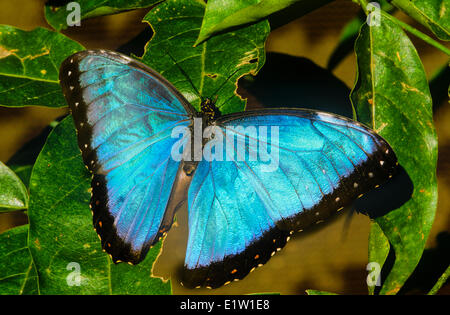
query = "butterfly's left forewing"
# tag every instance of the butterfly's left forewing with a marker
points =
(124, 114)
(241, 211)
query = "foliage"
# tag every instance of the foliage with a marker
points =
(214, 44)
(211, 67)
(13, 194)
(17, 270)
(29, 66)
(56, 12)
(392, 60)
(435, 15)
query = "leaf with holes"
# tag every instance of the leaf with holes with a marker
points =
(29, 65)
(17, 271)
(210, 69)
(435, 15)
(13, 193)
(58, 13)
(222, 16)
(392, 96)
(62, 239)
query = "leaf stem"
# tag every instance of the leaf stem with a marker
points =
(409, 28)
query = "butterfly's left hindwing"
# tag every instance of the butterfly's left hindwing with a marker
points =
(124, 114)
(242, 211)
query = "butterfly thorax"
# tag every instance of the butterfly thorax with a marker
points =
(209, 110)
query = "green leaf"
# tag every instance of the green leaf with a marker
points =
(212, 67)
(378, 249)
(435, 14)
(318, 292)
(441, 281)
(13, 194)
(56, 15)
(392, 96)
(61, 230)
(221, 15)
(17, 271)
(29, 65)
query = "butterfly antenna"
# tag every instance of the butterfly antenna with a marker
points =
(185, 74)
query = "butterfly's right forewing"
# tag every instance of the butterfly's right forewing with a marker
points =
(124, 114)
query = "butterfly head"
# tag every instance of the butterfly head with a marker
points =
(209, 110)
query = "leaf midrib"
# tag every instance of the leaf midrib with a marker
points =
(29, 78)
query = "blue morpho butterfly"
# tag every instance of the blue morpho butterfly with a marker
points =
(240, 213)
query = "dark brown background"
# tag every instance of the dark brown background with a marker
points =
(320, 259)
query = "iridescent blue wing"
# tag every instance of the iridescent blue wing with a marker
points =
(241, 211)
(124, 114)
